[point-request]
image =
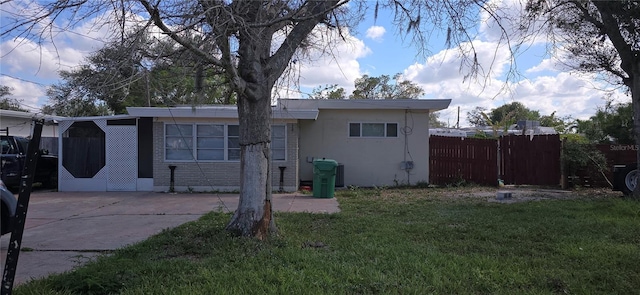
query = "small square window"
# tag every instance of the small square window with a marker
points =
(354, 129)
(392, 130)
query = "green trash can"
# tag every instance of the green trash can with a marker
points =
(324, 178)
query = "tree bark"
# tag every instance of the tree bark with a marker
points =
(257, 71)
(254, 216)
(634, 86)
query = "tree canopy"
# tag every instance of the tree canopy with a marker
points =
(381, 87)
(368, 87)
(504, 115)
(126, 73)
(612, 123)
(508, 114)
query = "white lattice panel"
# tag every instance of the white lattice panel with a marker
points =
(102, 123)
(64, 125)
(122, 158)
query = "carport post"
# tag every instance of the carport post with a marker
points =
(26, 182)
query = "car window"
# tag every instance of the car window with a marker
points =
(23, 142)
(7, 148)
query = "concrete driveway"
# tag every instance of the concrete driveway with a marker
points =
(64, 230)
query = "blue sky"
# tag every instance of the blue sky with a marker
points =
(372, 50)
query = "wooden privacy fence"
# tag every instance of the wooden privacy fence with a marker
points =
(455, 158)
(516, 159)
(530, 160)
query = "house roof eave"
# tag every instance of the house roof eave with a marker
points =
(223, 112)
(366, 104)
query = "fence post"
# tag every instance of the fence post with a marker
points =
(499, 158)
(563, 172)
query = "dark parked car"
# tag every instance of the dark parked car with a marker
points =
(8, 209)
(14, 151)
(625, 177)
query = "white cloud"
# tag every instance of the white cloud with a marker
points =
(451, 64)
(375, 33)
(336, 63)
(547, 64)
(567, 94)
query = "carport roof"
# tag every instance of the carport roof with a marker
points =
(29, 115)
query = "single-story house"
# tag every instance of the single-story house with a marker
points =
(375, 142)
(17, 123)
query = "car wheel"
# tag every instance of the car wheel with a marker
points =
(630, 181)
(5, 219)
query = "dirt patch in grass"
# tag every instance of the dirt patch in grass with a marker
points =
(481, 194)
(526, 194)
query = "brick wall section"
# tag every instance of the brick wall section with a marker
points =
(218, 176)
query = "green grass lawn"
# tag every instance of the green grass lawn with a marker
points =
(404, 241)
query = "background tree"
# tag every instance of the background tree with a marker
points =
(7, 102)
(434, 121)
(509, 114)
(367, 87)
(136, 71)
(476, 117)
(502, 116)
(382, 87)
(579, 157)
(65, 99)
(612, 123)
(562, 125)
(328, 92)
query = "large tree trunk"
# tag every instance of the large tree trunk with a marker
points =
(634, 86)
(254, 216)
(258, 68)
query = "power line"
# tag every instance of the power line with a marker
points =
(23, 80)
(57, 27)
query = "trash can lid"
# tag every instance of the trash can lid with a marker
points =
(325, 164)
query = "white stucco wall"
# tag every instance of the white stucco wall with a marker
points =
(367, 161)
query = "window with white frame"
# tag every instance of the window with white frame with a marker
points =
(179, 142)
(210, 142)
(214, 142)
(373, 129)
